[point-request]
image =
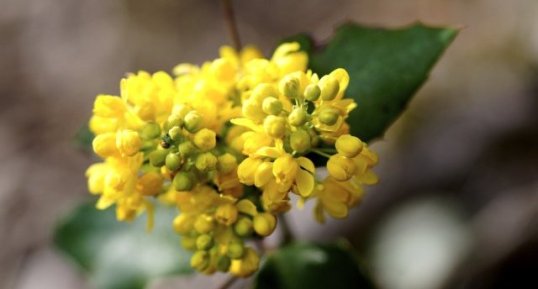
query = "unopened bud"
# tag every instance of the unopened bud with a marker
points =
(174, 120)
(204, 224)
(329, 88)
(300, 141)
(182, 181)
(297, 116)
(226, 214)
(182, 224)
(236, 250)
(193, 121)
(275, 126)
(272, 106)
(206, 162)
(205, 139)
(243, 227)
(172, 161)
(186, 148)
(264, 224)
(157, 157)
(150, 131)
(175, 133)
(223, 263)
(328, 116)
(204, 242)
(290, 86)
(200, 260)
(348, 145)
(227, 163)
(188, 242)
(312, 92)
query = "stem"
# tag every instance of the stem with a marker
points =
(228, 283)
(231, 23)
(287, 235)
(319, 152)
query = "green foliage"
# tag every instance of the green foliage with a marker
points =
(121, 255)
(305, 265)
(386, 68)
(83, 138)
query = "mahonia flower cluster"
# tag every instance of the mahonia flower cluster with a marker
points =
(227, 143)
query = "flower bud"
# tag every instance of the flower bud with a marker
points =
(204, 224)
(182, 224)
(348, 145)
(150, 184)
(175, 133)
(329, 88)
(192, 121)
(264, 224)
(226, 214)
(300, 141)
(272, 106)
(329, 116)
(174, 120)
(263, 91)
(128, 142)
(297, 116)
(243, 227)
(188, 242)
(247, 265)
(200, 260)
(186, 148)
(205, 139)
(204, 242)
(104, 145)
(236, 249)
(182, 181)
(172, 161)
(290, 86)
(226, 163)
(223, 263)
(341, 168)
(206, 162)
(253, 110)
(150, 131)
(275, 126)
(157, 157)
(312, 92)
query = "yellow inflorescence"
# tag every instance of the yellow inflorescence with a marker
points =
(227, 142)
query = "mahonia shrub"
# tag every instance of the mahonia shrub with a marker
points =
(227, 142)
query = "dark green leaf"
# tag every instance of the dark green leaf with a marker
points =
(312, 266)
(121, 255)
(386, 68)
(84, 137)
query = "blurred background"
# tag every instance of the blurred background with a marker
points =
(457, 205)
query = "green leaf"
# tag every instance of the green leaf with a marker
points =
(84, 137)
(121, 255)
(312, 266)
(386, 68)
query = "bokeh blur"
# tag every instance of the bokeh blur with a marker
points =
(457, 206)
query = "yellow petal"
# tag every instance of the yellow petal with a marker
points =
(247, 123)
(269, 152)
(306, 164)
(247, 207)
(305, 183)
